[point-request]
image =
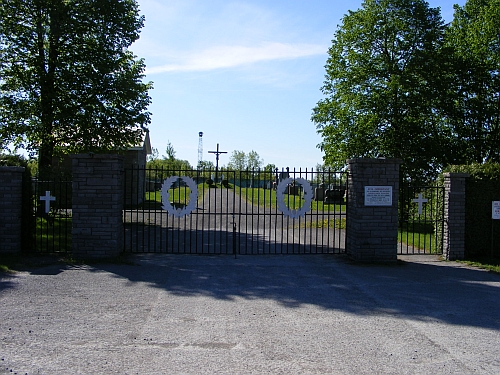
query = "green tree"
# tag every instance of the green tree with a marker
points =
(68, 81)
(474, 96)
(155, 154)
(382, 80)
(170, 152)
(237, 161)
(254, 161)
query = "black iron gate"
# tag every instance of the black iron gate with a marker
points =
(52, 215)
(235, 212)
(421, 219)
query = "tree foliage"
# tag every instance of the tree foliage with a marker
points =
(239, 161)
(167, 162)
(68, 81)
(474, 96)
(382, 87)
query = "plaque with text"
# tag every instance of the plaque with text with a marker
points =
(495, 210)
(378, 195)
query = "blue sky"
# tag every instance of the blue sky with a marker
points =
(245, 73)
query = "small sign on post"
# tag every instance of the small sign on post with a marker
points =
(495, 210)
(495, 215)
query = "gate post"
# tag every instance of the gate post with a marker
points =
(454, 216)
(97, 229)
(372, 210)
(11, 202)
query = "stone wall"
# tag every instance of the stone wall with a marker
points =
(454, 216)
(97, 206)
(11, 202)
(372, 230)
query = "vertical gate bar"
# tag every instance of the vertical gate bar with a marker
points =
(209, 213)
(224, 217)
(258, 207)
(160, 240)
(329, 179)
(299, 245)
(322, 215)
(196, 211)
(151, 192)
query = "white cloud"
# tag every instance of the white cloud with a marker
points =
(233, 56)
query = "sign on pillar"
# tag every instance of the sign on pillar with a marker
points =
(47, 198)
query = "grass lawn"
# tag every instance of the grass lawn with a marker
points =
(267, 198)
(53, 236)
(177, 195)
(419, 235)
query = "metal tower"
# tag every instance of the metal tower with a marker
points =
(200, 149)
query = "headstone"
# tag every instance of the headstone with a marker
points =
(335, 195)
(319, 193)
(293, 189)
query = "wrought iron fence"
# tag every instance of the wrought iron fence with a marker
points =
(421, 219)
(52, 215)
(240, 212)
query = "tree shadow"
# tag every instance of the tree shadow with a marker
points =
(423, 291)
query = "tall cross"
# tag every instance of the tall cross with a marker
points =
(420, 202)
(47, 198)
(217, 153)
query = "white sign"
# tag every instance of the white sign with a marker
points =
(495, 210)
(378, 195)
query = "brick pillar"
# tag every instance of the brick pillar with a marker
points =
(372, 228)
(454, 216)
(97, 230)
(11, 202)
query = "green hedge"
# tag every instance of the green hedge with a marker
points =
(482, 187)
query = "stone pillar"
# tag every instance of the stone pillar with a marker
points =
(372, 228)
(454, 216)
(11, 202)
(98, 193)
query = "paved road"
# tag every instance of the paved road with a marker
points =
(224, 222)
(301, 314)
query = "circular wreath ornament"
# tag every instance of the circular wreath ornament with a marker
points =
(165, 196)
(280, 197)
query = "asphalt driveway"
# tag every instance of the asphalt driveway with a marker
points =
(307, 314)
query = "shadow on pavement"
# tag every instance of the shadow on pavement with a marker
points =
(423, 291)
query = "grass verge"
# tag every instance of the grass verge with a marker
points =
(486, 263)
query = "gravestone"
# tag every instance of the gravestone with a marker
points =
(293, 189)
(335, 195)
(319, 193)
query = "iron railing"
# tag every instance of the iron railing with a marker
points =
(235, 212)
(52, 215)
(421, 219)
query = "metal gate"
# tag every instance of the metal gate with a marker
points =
(52, 215)
(421, 219)
(235, 212)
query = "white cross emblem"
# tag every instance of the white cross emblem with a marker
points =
(420, 202)
(47, 198)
